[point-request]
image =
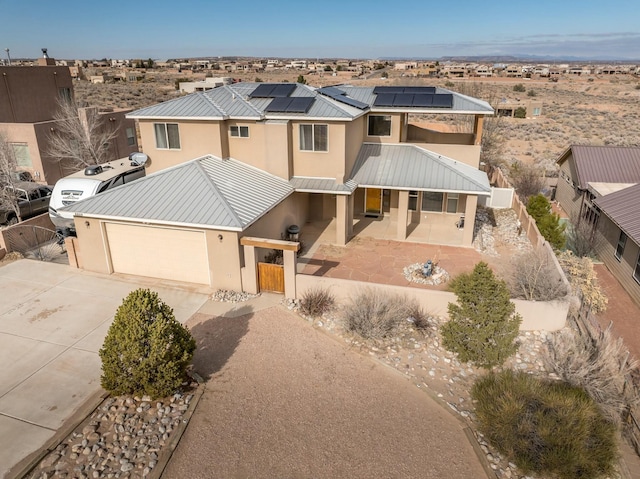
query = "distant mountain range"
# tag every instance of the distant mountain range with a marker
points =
(515, 58)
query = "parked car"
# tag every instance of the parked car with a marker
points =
(33, 199)
(91, 181)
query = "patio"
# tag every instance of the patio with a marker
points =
(374, 255)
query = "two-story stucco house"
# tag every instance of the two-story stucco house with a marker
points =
(252, 159)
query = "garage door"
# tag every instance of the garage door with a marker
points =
(166, 253)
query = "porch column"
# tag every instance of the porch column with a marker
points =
(250, 284)
(290, 260)
(403, 210)
(469, 219)
(350, 206)
(477, 128)
(341, 219)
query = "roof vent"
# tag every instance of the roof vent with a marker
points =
(93, 170)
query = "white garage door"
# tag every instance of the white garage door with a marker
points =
(166, 253)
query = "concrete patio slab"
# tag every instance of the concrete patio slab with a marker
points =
(53, 320)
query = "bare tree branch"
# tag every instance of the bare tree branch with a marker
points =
(80, 137)
(8, 180)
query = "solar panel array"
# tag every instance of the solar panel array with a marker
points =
(342, 97)
(419, 100)
(416, 90)
(272, 90)
(299, 104)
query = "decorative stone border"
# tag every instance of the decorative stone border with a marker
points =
(413, 273)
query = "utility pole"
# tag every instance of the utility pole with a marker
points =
(8, 56)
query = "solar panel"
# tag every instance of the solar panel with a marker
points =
(443, 100)
(262, 91)
(384, 99)
(420, 89)
(403, 99)
(299, 104)
(342, 97)
(278, 105)
(423, 100)
(388, 89)
(283, 90)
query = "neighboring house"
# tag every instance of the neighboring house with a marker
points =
(268, 156)
(29, 97)
(600, 184)
(507, 107)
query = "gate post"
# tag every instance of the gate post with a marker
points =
(251, 274)
(290, 265)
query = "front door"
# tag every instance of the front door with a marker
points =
(373, 201)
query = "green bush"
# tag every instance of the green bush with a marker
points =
(519, 87)
(375, 315)
(317, 301)
(521, 112)
(548, 223)
(146, 350)
(545, 427)
(483, 325)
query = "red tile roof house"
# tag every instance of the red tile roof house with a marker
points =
(601, 185)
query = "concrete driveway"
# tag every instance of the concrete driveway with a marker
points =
(53, 320)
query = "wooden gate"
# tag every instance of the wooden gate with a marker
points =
(271, 277)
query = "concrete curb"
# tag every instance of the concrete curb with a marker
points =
(167, 451)
(80, 415)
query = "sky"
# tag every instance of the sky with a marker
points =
(165, 29)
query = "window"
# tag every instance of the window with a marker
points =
(452, 202)
(379, 125)
(314, 137)
(131, 136)
(413, 200)
(636, 272)
(432, 201)
(167, 136)
(622, 242)
(21, 154)
(239, 131)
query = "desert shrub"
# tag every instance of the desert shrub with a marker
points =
(548, 223)
(146, 351)
(544, 427)
(533, 276)
(532, 93)
(583, 280)
(483, 325)
(519, 87)
(376, 314)
(449, 84)
(317, 301)
(521, 112)
(527, 180)
(597, 362)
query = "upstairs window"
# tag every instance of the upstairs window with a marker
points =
(622, 242)
(239, 131)
(314, 137)
(379, 125)
(131, 136)
(21, 154)
(167, 136)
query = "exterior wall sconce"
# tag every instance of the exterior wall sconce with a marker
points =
(220, 238)
(87, 224)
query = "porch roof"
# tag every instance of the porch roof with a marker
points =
(306, 184)
(409, 167)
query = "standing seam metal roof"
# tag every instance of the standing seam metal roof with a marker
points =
(623, 207)
(409, 167)
(209, 192)
(605, 164)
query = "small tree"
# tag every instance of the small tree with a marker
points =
(8, 166)
(483, 325)
(301, 80)
(534, 277)
(581, 237)
(521, 112)
(527, 180)
(519, 87)
(548, 222)
(80, 141)
(146, 350)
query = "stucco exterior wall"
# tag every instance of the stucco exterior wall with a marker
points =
(536, 315)
(467, 154)
(323, 164)
(396, 129)
(27, 133)
(197, 138)
(606, 241)
(292, 211)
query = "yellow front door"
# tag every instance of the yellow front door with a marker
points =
(373, 201)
